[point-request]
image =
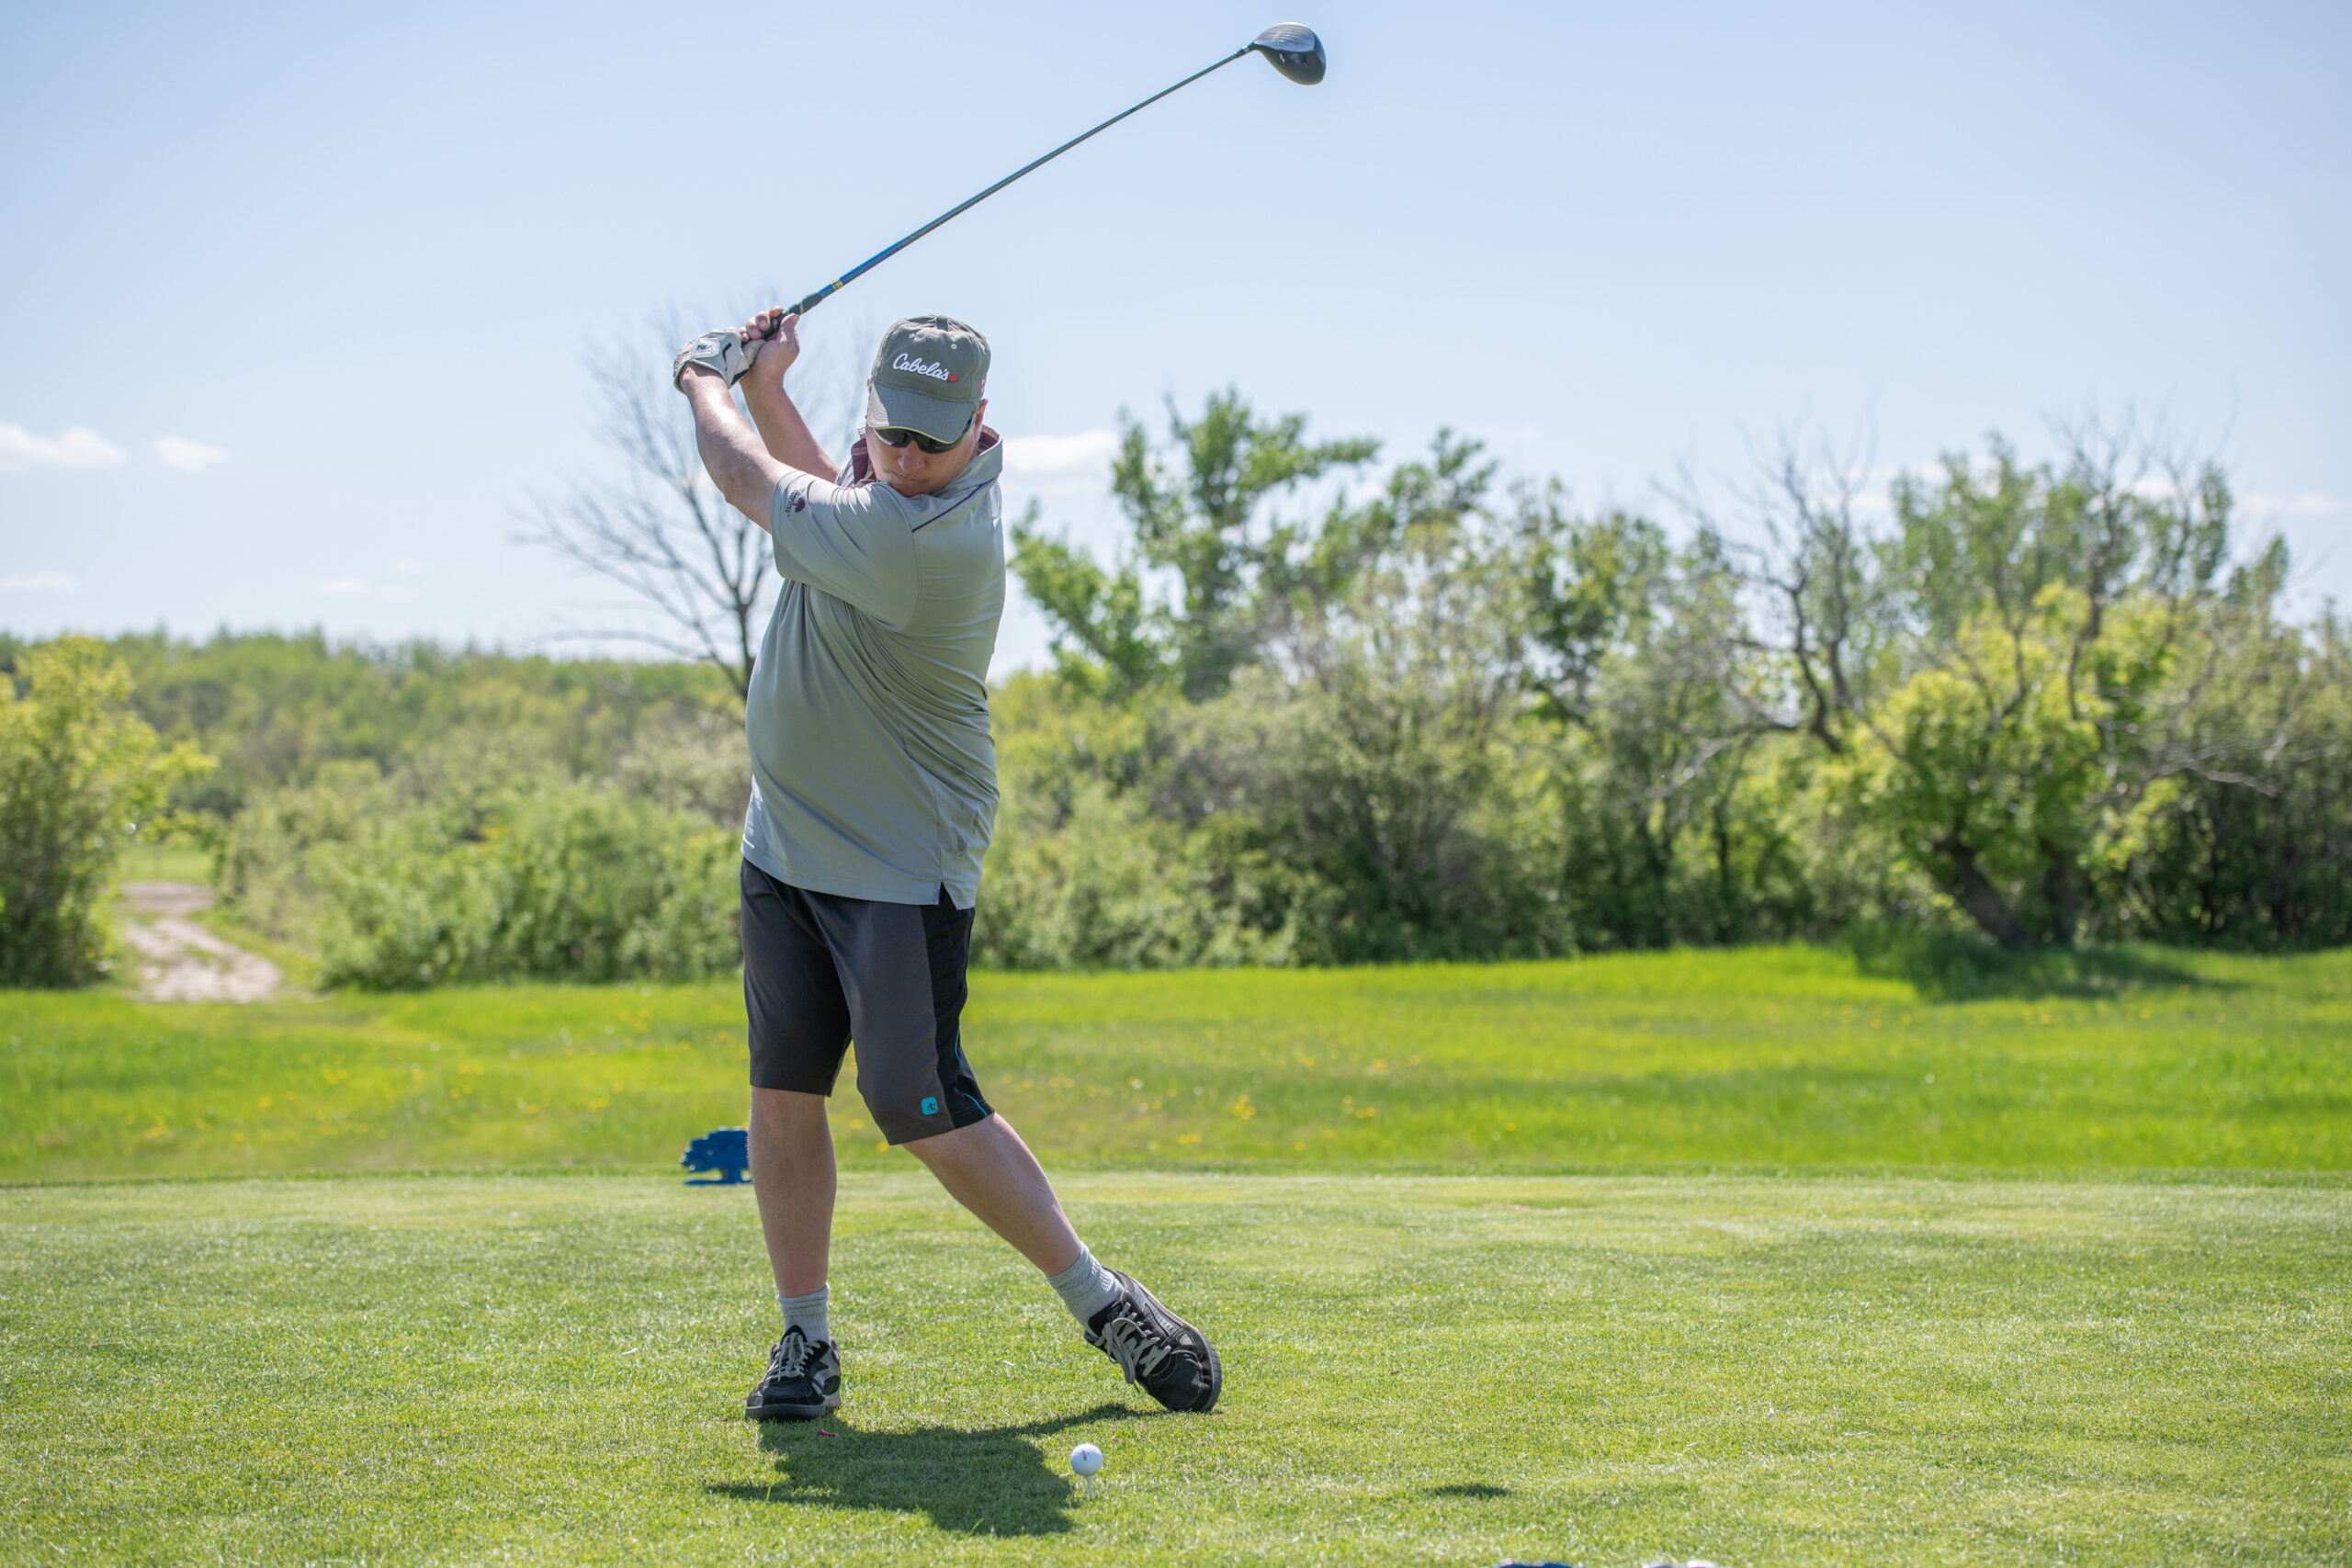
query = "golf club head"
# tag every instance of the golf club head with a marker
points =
(1294, 50)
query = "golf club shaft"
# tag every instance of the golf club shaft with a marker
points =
(878, 257)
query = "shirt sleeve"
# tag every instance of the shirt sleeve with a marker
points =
(856, 542)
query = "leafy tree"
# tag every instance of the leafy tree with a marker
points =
(1108, 640)
(1207, 524)
(1385, 752)
(79, 774)
(2011, 679)
(1639, 651)
(2266, 862)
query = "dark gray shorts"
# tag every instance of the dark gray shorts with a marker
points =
(820, 970)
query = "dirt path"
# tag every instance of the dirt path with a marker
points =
(179, 961)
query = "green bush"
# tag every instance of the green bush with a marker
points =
(1083, 874)
(79, 774)
(264, 874)
(499, 847)
(575, 882)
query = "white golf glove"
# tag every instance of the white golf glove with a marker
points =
(721, 351)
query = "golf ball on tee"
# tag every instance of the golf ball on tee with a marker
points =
(1086, 1458)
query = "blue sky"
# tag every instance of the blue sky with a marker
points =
(293, 301)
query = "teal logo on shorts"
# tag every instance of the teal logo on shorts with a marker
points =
(930, 1106)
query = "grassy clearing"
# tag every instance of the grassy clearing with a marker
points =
(1792, 1056)
(165, 863)
(1420, 1370)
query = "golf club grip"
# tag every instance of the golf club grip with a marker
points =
(800, 310)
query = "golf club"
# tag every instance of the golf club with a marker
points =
(1291, 49)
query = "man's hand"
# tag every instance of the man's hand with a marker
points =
(775, 339)
(777, 334)
(723, 353)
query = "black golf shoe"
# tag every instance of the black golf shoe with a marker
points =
(803, 1380)
(1172, 1360)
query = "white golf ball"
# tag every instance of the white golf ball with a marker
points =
(1086, 1458)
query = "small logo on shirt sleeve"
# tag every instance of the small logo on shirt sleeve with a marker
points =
(930, 1106)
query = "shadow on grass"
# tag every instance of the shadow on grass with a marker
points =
(1470, 1489)
(990, 1482)
(1948, 967)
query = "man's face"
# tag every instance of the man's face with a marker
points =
(911, 470)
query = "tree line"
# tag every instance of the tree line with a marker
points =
(1458, 719)
(1302, 716)
(411, 815)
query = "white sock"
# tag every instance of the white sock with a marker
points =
(805, 1314)
(1085, 1287)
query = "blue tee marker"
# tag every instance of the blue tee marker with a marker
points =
(726, 1151)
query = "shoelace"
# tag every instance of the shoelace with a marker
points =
(791, 1357)
(1139, 1351)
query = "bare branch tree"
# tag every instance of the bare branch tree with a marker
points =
(698, 569)
(1806, 563)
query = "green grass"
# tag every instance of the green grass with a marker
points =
(165, 863)
(1791, 1056)
(1675, 1352)
(1802, 1370)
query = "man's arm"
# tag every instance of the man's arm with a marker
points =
(857, 544)
(743, 471)
(789, 438)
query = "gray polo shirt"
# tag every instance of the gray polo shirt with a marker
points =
(872, 775)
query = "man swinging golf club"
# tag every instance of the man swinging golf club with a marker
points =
(874, 793)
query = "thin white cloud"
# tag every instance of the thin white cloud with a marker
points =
(76, 446)
(39, 581)
(339, 587)
(2258, 503)
(1085, 455)
(187, 457)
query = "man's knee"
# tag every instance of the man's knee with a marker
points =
(786, 1110)
(935, 1144)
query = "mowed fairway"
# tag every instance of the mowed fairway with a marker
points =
(1759, 1257)
(1785, 1056)
(1420, 1370)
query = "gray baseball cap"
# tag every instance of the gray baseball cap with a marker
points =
(928, 376)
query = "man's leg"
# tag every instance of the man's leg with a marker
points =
(799, 1028)
(792, 1174)
(902, 969)
(988, 1169)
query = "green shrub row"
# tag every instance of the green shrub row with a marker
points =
(1309, 718)
(405, 881)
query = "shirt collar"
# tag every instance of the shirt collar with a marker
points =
(986, 467)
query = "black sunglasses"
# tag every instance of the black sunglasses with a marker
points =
(898, 435)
